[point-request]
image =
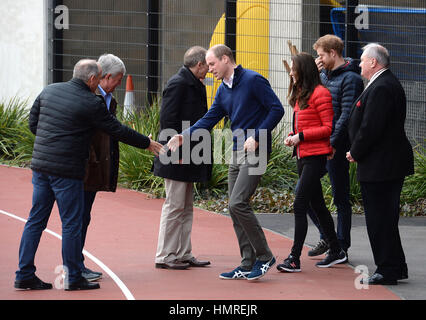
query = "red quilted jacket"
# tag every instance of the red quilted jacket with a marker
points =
(316, 123)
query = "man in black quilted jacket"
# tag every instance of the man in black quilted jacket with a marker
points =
(63, 119)
(341, 76)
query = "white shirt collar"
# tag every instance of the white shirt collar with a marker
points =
(375, 76)
(230, 81)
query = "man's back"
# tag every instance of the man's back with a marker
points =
(184, 100)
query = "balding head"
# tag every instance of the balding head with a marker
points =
(88, 71)
(86, 68)
(193, 56)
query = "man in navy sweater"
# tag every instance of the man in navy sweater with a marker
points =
(254, 110)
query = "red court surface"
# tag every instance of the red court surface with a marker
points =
(122, 237)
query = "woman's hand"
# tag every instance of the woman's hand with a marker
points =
(293, 140)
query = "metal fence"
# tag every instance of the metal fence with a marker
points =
(152, 36)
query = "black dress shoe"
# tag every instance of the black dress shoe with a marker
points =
(176, 265)
(377, 278)
(193, 262)
(33, 284)
(403, 276)
(82, 284)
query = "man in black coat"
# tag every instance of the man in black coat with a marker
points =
(384, 156)
(184, 103)
(63, 118)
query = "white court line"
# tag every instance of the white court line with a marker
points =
(114, 277)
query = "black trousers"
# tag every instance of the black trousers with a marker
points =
(381, 206)
(309, 194)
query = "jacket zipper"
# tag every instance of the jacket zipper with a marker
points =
(297, 129)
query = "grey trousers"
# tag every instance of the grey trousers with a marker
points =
(251, 238)
(174, 237)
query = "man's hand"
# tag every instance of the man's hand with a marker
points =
(154, 146)
(251, 144)
(349, 157)
(331, 156)
(319, 63)
(288, 142)
(175, 142)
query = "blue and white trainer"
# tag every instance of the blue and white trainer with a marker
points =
(237, 274)
(260, 268)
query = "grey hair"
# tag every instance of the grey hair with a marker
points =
(194, 55)
(111, 64)
(378, 52)
(86, 68)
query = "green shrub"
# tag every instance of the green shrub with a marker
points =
(281, 173)
(415, 185)
(218, 184)
(136, 164)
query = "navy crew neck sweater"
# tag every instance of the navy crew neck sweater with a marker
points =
(250, 104)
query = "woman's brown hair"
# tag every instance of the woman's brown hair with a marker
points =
(307, 79)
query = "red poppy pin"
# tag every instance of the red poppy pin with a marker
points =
(358, 104)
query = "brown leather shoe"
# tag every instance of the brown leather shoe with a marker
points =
(176, 265)
(193, 262)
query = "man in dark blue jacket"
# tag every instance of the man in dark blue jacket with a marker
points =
(341, 77)
(254, 110)
(63, 118)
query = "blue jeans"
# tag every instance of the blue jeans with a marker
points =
(68, 194)
(338, 171)
(89, 198)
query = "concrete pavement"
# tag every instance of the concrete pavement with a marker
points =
(413, 236)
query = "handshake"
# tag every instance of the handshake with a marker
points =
(177, 140)
(157, 148)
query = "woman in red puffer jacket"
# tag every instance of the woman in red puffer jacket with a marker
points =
(312, 127)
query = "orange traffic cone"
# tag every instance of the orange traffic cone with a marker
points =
(129, 98)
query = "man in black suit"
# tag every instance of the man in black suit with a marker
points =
(384, 156)
(184, 100)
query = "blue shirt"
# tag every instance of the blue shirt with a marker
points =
(107, 96)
